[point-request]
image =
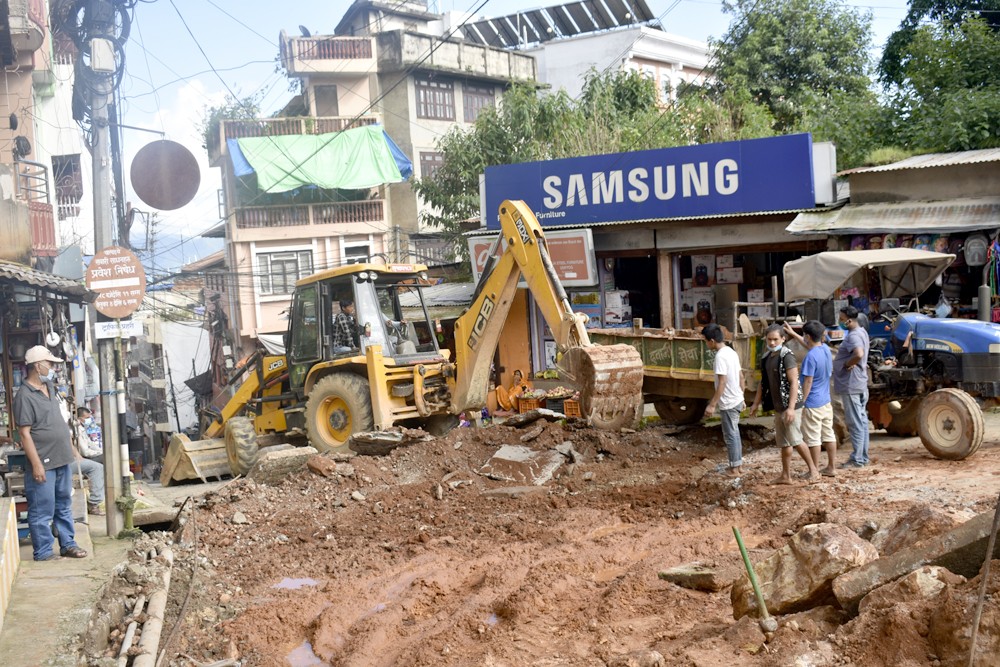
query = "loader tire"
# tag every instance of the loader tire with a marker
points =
(241, 445)
(338, 405)
(676, 411)
(951, 424)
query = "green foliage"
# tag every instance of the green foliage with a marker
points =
(887, 155)
(897, 51)
(232, 108)
(950, 96)
(786, 52)
(713, 114)
(854, 122)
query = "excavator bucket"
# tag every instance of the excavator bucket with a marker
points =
(194, 459)
(609, 378)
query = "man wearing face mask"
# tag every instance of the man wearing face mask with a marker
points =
(47, 443)
(89, 455)
(850, 381)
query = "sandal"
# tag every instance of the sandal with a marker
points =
(73, 552)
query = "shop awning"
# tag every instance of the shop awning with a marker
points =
(937, 217)
(25, 276)
(363, 157)
(902, 271)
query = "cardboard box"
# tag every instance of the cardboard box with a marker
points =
(693, 299)
(585, 298)
(616, 299)
(729, 276)
(723, 261)
(703, 270)
(687, 283)
(755, 295)
(621, 315)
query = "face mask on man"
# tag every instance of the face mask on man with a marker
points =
(774, 348)
(89, 421)
(843, 325)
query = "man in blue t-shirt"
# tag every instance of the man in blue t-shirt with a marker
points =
(817, 411)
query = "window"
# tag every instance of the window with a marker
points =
(326, 101)
(357, 254)
(69, 184)
(475, 99)
(430, 163)
(280, 270)
(435, 99)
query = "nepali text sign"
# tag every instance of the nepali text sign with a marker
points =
(772, 174)
(571, 252)
(118, 329)
(119, 280)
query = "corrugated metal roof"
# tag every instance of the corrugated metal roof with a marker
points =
(931, 217)
(755, 214)
(29, 277)
(933, 160)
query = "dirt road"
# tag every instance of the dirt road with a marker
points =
(407, 559)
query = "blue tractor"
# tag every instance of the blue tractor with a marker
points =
(928, 376)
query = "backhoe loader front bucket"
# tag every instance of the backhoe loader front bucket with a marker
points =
(609, 378)
(197, 459)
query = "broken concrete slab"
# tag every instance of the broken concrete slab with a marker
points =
(799, 575)
(918, 524)
(514, 491)
(700, 577)
(960, 550)
(924, 583)
(533, 433)
(522, 465)
(380, 443)
(531, 416)
(274, 465)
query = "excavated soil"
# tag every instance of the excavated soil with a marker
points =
(416, 558)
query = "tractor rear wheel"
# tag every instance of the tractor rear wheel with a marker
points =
(241, 444)
(338, 405)
(677, 411)
(950, 424)
(904, 422)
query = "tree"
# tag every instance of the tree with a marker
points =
(949, 97)
(232, 108)
(952, 12)
(788, 52)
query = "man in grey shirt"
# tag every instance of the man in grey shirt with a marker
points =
(46, 440)
(850, 381)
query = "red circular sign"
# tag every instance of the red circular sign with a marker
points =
(119, 280)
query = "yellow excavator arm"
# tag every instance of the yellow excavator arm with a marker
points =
(608, 377)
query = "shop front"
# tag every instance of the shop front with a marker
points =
(35, 309)
(677, 235)
(943, 202)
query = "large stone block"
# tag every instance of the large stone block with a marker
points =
(921, 522)
(960, 550)
(798, 576)
(924, 583)
(273, 466)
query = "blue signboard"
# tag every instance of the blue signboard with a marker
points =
(772, 174)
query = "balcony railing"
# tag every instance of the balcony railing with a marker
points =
(43, 229)
(330, 48)
(273, 127)
(328, 54)
(255, 217)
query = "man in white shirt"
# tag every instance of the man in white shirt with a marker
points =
(728, 399)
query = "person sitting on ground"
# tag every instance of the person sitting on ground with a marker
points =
(779, 391)
(89, 455)
(817, 411)
(728, 397)
(345, 329)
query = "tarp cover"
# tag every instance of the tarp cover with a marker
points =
(363, 157)
(902, 271)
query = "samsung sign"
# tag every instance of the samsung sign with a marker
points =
(770, 174)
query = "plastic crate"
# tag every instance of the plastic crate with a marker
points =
(528, 404)
(571, 408)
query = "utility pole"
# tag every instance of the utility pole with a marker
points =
(115, 461)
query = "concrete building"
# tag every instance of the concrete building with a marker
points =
(391, 63)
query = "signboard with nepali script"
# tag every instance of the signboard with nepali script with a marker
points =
(772, 174)
(119, 280)
(571, 252)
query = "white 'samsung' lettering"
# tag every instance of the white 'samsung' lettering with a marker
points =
(697, 179)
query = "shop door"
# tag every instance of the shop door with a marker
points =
(638, 276)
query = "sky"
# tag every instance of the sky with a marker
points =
(169, 79)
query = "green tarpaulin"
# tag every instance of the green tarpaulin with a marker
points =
(351, 160)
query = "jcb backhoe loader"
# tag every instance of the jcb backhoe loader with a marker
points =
(393, 371)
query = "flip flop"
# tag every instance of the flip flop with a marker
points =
(73, 552)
